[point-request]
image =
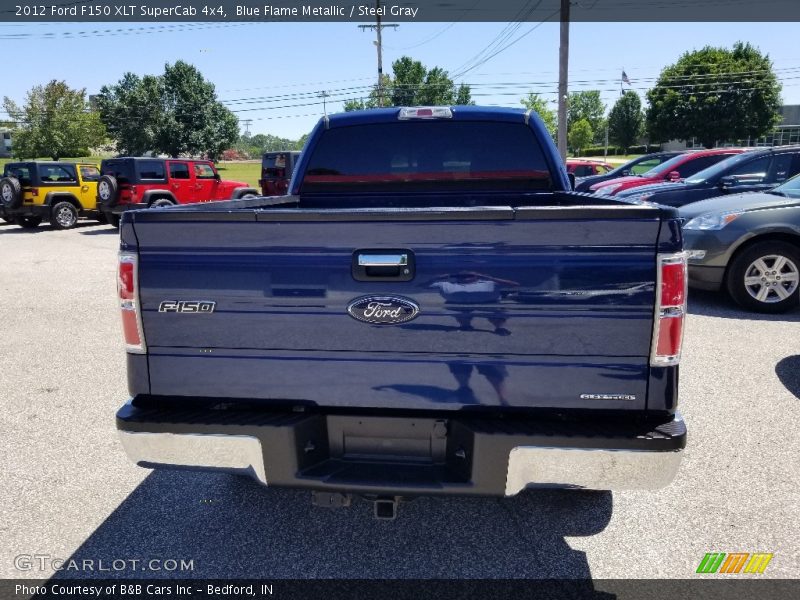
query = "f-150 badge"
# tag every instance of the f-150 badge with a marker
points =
(383, 310)
(186, 306)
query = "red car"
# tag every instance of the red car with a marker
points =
(678, 168)
(581, 167)
(129, 183)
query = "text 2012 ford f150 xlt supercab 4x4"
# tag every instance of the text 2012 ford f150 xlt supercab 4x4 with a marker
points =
(430, 311)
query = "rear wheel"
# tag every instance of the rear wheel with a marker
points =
(63, 215)
(248, 195)
(766, 277)
(113, 220)
(28, 222)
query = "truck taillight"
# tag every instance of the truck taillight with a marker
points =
(128, 291)
(670, 313)
(34, 191)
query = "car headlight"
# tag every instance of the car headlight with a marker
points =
(712, 221)
(606, 190)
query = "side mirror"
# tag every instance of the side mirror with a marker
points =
(217, 176)
(625, 173)
(571, 177)
(727, 181)
(673, 176)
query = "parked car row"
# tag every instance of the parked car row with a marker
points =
(741, 217)
(61, 192)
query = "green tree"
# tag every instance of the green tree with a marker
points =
(588, 106)
(540, 106)
(412, 84)
(132, 112)
(626, 120)
(580, 135)
(174, 113)
(222, 128)
(301, 142)
(715, 94)
(56, 121)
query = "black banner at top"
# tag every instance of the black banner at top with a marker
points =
(163, 11)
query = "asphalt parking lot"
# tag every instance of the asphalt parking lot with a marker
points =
(68, 491)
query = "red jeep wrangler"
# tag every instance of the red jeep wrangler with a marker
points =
(129, 183)
(276, 171)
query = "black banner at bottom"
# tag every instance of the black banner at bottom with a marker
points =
(402, 589)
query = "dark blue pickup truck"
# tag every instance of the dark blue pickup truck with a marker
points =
(430, 311)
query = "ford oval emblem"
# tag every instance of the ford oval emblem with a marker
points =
(383, 310)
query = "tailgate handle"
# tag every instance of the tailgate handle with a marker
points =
(383, 265)
(382, 260)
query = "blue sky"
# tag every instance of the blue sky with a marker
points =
(271, 72)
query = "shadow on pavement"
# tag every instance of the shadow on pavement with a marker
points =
(232, 527)
(788, 371)
(101, 229)
(712, 304)
(45, 226)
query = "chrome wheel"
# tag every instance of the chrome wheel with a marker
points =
(7, 193)
(65, 217)
(772, 278)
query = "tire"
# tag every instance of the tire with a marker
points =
(107, 190)
(766, 277)
(113, 220)
(10, 192)
(247, 195)
(63, 215)
(101, 218)
(28, 222)
(161, 203)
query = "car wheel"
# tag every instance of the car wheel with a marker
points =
(161, 203)
(247, 195)
(28, 222)
(63, 215)
(10, 192)
(114, 220)
(766, 277)
(101, 218)
(107, 190)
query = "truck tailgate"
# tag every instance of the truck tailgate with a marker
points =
(548, 308)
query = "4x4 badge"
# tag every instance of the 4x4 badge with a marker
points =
(383, 310)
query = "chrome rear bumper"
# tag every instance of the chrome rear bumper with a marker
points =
(473, 464)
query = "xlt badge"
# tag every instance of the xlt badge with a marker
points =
(383, 310)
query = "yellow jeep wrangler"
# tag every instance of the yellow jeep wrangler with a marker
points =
(59, 192)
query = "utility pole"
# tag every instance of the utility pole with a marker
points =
(323, 94)
(378, 27)
(563, 68)
(246, 124)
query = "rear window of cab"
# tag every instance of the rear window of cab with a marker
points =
(428, 156)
